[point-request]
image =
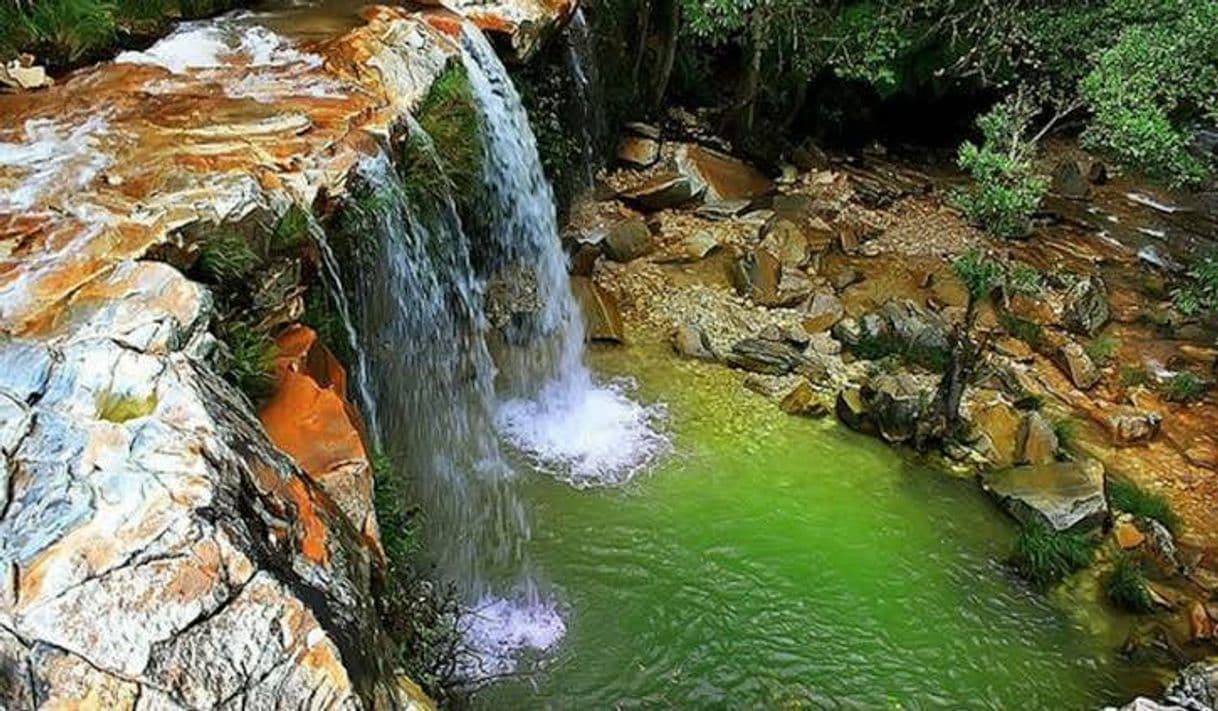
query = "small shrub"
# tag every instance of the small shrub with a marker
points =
(1103, 349)
(225, 257)
(980, 274)
(251, 360)
(1134, 375)
(1129, 497)
(72, 29)
(1185, 387)
(1126, 586)
(1005, 190)
(1200, 294)
(1045, 557)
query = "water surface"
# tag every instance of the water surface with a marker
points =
(780, 561)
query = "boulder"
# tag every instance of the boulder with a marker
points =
(724, 177)
(1062, 496)
(1134, 427)
(690, 341)
(1085, 306)
(1196, 686)
(787, 242)
(602, 319)
(1077, 365)
(898, 405)
(1069, 181)
(915, 325)
(996, 425)
(758, 355)
(802, 400)
(1037, 441)
(852, 411)
(758, 275)
(697, 246)
(664, 191)
(309, 418)
(628, 240)
(638, 151)
(168, 550)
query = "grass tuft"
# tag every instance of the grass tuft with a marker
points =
(1045, 557)
(1126, 496)
(1126, 586)
(449, 116)
(225, 257)
(252, 360)
(1103, 349)
(291, 231)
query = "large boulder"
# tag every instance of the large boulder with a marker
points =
(666, 190)
(158, 546)
(725, 178)
(1062, 496)
(1085, 308)
(628, 240)
(898, 405)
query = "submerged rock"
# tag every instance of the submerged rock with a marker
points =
(1062, 495)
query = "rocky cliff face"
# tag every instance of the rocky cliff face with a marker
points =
(157, 547)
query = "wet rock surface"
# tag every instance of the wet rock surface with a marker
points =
(1062, 496)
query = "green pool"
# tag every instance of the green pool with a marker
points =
(773, 561)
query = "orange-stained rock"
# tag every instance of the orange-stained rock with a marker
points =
(310, 419)
(1200, 626)
(1127, 535)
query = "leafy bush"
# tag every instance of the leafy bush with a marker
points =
(1126, 586)
(980, 274)
(225, 257)
(1005, 189)
(1045, 557)
(1025, 279)
(1129, 497)
(1201, 293)
(1144, 89)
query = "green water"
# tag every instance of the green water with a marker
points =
(775, 561)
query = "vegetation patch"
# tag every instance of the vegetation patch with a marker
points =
(225, 256)
(1029, 332)
(448, 159)
(1126, 586)
(1103, 349)
(1134, 375)
(1200, 294)
(1185, 387)
(1126, 496)
(1066, 430)
(879, 347)
(421, 617)
(1045, 557)
(120, 407)
(250, 360)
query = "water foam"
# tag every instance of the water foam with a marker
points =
(195, 46)
(584, 434)
(499, 630)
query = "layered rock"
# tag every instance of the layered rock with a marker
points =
(159, 545)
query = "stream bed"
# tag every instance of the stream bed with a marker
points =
(776, 561)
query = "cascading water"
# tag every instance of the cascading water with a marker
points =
(413, 292)
(552, 410)
(580, 53)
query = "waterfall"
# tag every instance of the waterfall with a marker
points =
(551, 408)
(581, 51)
(441, 388)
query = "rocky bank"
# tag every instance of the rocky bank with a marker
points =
(829, 288)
